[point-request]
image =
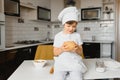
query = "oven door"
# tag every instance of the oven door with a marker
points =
(2, 35)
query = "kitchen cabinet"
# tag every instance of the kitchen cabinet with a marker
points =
(106, 50)
(7, 63)
(91, 3)
(30, 7)
(34, 3)
(27, 53)
(108, 9)
(91, 50)
(2, 16)
(56, 8)
(11, 59)
(12, 7)
(1, 6)
(27, 4)
(40, 13)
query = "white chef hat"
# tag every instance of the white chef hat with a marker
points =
(68, 14)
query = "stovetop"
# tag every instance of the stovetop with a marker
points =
(28, 42)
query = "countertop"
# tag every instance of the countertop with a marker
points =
(98, 41)
(16, 46)
(28, 71)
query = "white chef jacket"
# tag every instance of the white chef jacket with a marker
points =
(68, 61)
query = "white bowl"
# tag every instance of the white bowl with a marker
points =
(39, 63)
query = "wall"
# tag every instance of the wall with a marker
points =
(30, 29)
(25, 31)
(101, 30)
(117, 28)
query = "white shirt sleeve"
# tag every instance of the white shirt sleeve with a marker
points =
(57, 41)
(79, 40)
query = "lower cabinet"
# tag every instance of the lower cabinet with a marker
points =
(106, 50)
(91, 50)
(7, 63)
(11, 59)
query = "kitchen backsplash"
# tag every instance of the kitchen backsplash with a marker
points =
(29, 30)
(103, 30)
(37, 30)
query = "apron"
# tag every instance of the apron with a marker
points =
(69, 61)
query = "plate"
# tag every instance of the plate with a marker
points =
(112, 64)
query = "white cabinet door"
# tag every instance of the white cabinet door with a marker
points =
(2, 16)
(91, 3)
(56, 8)
(106, 50)
(35, 3)
(1, 6)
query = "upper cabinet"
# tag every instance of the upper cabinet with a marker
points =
(2, 16)
(1, 6)
(12, 7)
(56, 8)
(91, 3)
(108, 9)
(27, 4)
(30, 9)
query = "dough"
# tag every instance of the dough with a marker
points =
(71, 45)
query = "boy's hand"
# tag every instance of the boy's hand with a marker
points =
(69, 46)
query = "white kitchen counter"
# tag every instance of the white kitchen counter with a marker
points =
(27, 71)
(98, 41)
(16, 46)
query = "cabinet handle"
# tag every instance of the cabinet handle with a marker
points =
(13, 51)
(87, 44)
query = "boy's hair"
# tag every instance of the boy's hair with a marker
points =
(71, 22)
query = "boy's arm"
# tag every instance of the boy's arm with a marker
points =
(79, 50)
(57, 51)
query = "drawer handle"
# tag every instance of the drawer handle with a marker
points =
(87, 44)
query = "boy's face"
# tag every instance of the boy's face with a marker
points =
(70, 28)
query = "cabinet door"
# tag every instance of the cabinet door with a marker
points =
(106, 50)
(1, 6)
(56, 8)
(91, 50)
(91, 3)
(12, 7)
(108, 9)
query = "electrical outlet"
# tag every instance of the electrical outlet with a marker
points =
(36, 29)
(57, 26)
(20, 20)
(86, 28)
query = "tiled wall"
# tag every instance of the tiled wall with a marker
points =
(29, 30)
(37, 30)
(103, 30)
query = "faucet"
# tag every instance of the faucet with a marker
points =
(48, 36)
